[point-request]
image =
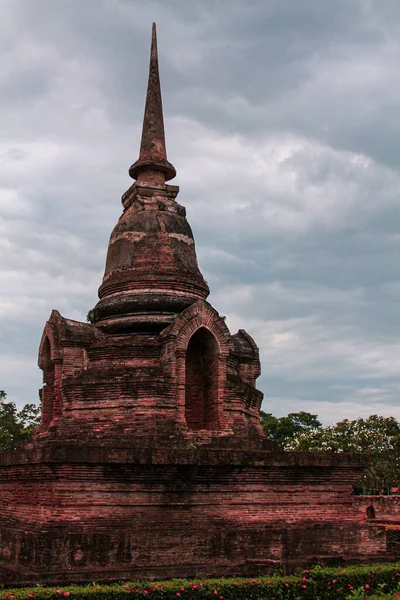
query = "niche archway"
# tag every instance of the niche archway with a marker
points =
(48, 391)
(201, 381)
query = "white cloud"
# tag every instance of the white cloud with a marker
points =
(311, 348)
(282, 182)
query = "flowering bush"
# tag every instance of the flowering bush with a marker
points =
(356, 583)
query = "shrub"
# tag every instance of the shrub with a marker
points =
(356, 582)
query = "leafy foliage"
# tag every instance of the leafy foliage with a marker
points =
(91, 316)
(317, 583)
(377, 436)
(16, 426)
(282, 430)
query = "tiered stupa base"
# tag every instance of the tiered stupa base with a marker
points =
(103, 513)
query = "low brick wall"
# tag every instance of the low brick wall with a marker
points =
(383, 507)
(98, 513)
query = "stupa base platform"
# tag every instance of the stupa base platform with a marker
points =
(81, 514)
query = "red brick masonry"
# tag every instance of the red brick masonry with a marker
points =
(87, 512)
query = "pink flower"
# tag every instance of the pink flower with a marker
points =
(215, 592)
(304, 585)
(333, 580)
(177, 593)
(58, 591)
(31, 595)
(366, 586)
(287, 585)
(182, 589)
(66, 593)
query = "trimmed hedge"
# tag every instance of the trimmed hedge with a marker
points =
(318, 583)
(384, 597)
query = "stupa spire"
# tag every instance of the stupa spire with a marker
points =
(153, 155)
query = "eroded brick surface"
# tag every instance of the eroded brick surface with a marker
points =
(75, 511)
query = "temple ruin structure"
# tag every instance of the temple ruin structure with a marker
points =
(150, 461)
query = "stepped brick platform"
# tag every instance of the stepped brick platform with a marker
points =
(150, 461)
(104, 512)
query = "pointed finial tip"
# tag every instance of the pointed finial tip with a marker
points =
(153, 51)
(153, 154)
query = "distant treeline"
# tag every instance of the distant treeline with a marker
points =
(377, 436)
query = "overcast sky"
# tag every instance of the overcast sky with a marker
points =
(282, 120)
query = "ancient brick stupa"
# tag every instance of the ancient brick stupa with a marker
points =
(150, 460)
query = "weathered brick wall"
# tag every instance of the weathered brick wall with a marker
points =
(177, 513)
(149, 385)
(383, 506)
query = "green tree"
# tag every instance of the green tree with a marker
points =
(16, 426)
(377, 436)
(282, 430)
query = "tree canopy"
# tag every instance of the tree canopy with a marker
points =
(377, 436)
(283, 429)
(16, 426)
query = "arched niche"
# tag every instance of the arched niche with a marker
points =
(48, 390)
(201, 381)
(187, 338)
